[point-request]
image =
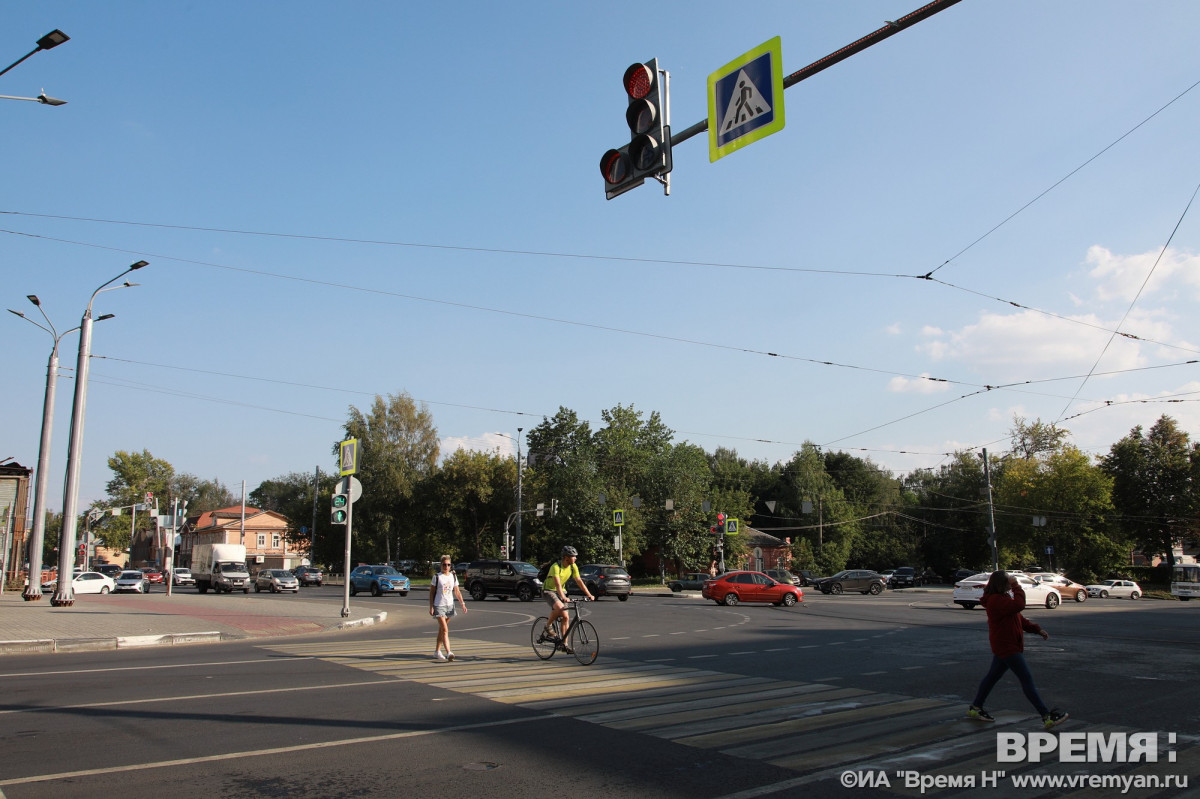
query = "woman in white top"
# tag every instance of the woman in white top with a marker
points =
(443, 590)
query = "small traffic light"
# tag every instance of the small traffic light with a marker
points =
(341, 505)
(648, 153)
(554, 507)
(721, 524)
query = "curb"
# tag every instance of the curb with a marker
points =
(47, 645)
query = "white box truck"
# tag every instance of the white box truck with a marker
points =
(221, 567)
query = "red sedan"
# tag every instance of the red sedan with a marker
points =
(731, 588)
(153, 575)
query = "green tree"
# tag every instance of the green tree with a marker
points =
(397, 448)
(293, 495)
(1155, 486)
(463, 505)
(134, 475)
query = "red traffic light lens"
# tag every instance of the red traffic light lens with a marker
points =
(720, 518)
(639, 80)
(615, 167)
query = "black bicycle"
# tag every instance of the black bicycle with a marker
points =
(583, 642)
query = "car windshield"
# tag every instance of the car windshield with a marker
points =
(131, 575)
(840, 576)
(526, 568)
(384, 570)
(183, 571)
(233, 567)
(281, 573)
(615, 572)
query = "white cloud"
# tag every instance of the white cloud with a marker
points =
(894, 329)
(912, 385)
(1120, 277)
(484, 442)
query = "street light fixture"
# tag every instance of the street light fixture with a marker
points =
(64, 594)
(48, 42)
(41, 98)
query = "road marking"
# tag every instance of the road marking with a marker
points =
(280, 750)
(206, 664)
(121, 702)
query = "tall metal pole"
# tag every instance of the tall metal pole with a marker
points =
(987, 479)
(64, 593)
(312, 541)
(349, 526)
(33, 591)
(516, 554)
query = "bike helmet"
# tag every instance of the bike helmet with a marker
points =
(569, 551)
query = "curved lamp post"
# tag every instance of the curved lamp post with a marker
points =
(64, 593)
(33, 591)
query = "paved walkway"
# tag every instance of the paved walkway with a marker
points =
(115, 621)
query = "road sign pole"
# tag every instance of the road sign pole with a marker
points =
(349, 527)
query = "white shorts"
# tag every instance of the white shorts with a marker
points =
(444, 613)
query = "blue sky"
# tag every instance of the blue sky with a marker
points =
(418, 207)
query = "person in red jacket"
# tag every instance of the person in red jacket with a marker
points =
(1004, 599)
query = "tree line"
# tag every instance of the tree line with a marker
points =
(1050, 503)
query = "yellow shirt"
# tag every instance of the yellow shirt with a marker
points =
(560, 574)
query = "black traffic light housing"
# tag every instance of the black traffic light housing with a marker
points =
(648, 153)
(340, 509)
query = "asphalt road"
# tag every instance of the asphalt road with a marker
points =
(687, 699)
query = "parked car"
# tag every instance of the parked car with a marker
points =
(863, 581)
(904, 577)
(963, 574)
(85, 583)
(410, 567)
(379, 580)
(153, 575)
(886, 574)
(1125, 588)
(806, 577)
(309, 575)
(731, 588)
(183, 576)
(132, 580)
(603, 579)
(502, 578)
(1067, 588)
(276, 580)
(109, 569)
(689, 581)
(782, 576)
(968, 592)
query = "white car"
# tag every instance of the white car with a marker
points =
(133, 580)
(1068, 588)
(1126, 588)
(968, 592)
(182, 576)
(86, 583)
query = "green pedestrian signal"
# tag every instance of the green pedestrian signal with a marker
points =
(341, 504)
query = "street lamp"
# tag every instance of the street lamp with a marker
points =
(48, 42)
(64, 594)
(33, 591)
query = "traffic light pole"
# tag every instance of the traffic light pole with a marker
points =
(888, 30)
(349, 526)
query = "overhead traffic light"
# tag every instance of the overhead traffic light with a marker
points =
(341, 507)
(648, 153)
(720, 524)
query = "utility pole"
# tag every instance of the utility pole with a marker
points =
(312, 541)
(987, 480)
(516, 553)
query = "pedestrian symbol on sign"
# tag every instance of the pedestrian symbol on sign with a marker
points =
(618, 518)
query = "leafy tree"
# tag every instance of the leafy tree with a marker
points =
(947, 507)
(293, 495)
(1154, 485)
(397, 448)
(464, 504)
(1036, 438)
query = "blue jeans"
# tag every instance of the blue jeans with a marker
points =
(1016, 663)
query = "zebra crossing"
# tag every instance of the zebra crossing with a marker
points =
(814, 728)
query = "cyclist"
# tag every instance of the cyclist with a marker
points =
(554, 591)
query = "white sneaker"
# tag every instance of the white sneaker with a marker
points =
(439, 655)
(449, 655)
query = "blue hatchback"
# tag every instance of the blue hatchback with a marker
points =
(379, 580)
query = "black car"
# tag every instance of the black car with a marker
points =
(904, 577)
(689, 581)
(109, 570)
(864, 581)
(603, 579)
(309, 575)
(806, 577)
(502, 578)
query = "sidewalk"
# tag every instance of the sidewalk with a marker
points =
(116, 621)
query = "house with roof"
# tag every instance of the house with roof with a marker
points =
(264, 533)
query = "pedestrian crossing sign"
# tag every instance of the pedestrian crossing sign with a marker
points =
(745, 99)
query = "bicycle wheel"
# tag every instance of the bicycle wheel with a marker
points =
(543, 647)
(585, 642)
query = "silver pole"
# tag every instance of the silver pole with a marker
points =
(516, 553)
(64, 593)
(345, 489)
